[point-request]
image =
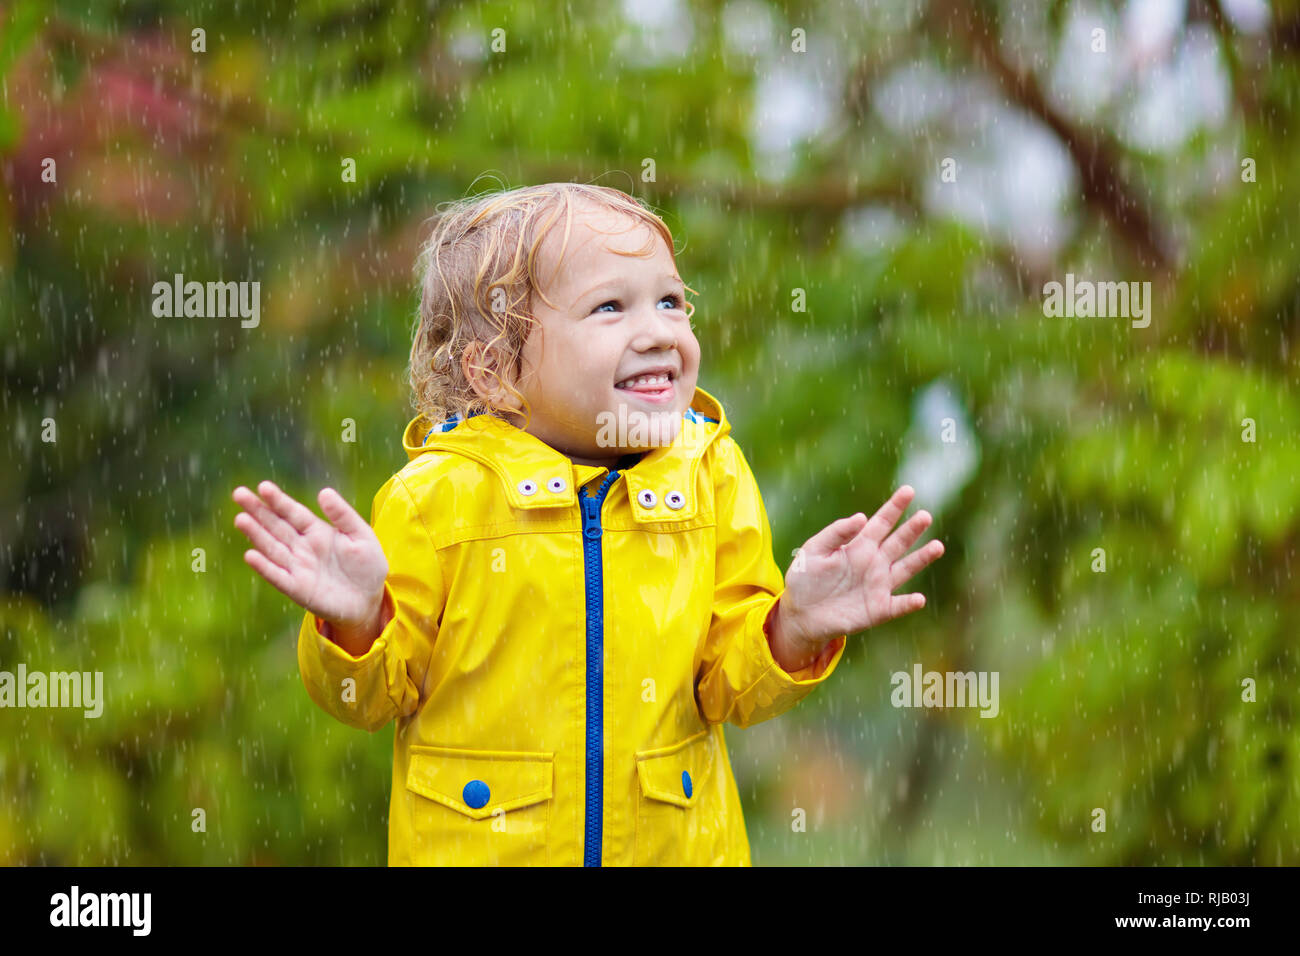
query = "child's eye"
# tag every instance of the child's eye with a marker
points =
(674, 298)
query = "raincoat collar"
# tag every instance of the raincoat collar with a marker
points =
(521, 461)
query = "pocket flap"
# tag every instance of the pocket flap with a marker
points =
(479, 782)
(676, 773)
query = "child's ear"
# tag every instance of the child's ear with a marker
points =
(486, 384)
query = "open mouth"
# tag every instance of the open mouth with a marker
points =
(652, 386)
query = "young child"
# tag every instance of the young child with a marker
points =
(570, 587)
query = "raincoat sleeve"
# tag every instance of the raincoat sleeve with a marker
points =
(738, 680)
(386, 681)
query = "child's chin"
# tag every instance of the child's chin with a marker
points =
(633, 430)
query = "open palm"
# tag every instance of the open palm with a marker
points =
(336, 571)
(843, 579)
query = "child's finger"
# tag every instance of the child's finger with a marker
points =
(263, 540)
(901, 604)
(278, 577)
(904, 569)
(896, 545)
(298, 515)
(342, 514)
(836, 534)
(888, 514)
(261, 513)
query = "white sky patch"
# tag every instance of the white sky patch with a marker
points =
(661, 30)
(470, 44)
(1016, 184)
(869, 229)
(1150, 28)
(1177, 98)
(1014, 179)
(790, 107)
(938, 470)
(1081, 81)
(748, 28)
(912, 95)
(1249, 16)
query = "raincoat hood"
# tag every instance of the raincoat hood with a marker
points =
(517, 457)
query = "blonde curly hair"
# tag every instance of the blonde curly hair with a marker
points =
(478, 276)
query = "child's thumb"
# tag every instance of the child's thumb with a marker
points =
(340, 513)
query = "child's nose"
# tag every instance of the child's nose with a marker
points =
(655, 331)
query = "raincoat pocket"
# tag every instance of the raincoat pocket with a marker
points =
(677, 809)
(480, 807)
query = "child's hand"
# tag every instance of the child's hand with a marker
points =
(335, 571)
(843, 581)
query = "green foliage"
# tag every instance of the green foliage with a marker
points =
(1121, 689)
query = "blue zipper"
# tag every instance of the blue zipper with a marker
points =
(591, 532)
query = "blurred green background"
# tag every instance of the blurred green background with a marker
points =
(790, 146)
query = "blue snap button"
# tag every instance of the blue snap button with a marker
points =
(686, 784)
(476, 794)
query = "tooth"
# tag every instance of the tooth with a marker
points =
(658, 378)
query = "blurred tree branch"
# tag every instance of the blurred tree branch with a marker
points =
(1095, 154)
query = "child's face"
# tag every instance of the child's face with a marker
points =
(614, 316)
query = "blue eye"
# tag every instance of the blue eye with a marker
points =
(674, 298)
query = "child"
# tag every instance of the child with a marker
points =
(570, 586)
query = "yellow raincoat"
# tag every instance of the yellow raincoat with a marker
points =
(560, 673)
